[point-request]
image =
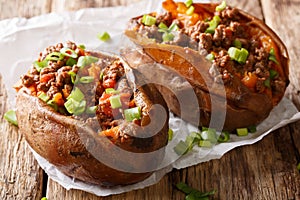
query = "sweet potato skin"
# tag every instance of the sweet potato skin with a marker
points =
(243, 107)
(74, 147)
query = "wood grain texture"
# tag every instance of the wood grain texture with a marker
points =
(265, 170)
(20, 175)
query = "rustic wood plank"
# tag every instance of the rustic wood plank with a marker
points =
(284, 18)
(71, 5)
(20, 175)
(23, 8)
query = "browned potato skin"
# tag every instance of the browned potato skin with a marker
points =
(244, 107)
(62, 140)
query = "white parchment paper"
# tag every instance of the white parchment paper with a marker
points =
(22, 39)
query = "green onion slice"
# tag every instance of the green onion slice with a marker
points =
(267, 83)
(111, 91)
(298, 166)
(44, 198)
(170, 134)
(224, 137)
(11, 117)
(71, 62)
(76, 94)
(104, 36)
(162, 26)
(75, 107)
(193, 194)
(237, 43)
(148, 20)
(73, 75)
(205, 143)
(188, 3)
(115, 101)
(181, 148)
(273, 73)
(221, 7)
(91, 110)
(272, 56)
(86, 79)
(210, 57)
(132, 113)
(190, 10)
(234, 53)
(81, 46)
(252, 129)
(52, 104)
(68, 52)
(174, 27)
(242, 131)
(243, 56)
(86, 60)
(44, 97)
(40, 65)
(210, 135)
(167, 37)
(54, 56)
(213, 24)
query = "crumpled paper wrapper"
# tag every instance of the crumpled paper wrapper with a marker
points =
(22, 39)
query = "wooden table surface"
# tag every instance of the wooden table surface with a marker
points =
(265, 170)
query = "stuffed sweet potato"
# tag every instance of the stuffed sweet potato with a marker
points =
(226, 55)
(81, 112)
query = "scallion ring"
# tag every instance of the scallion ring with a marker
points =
(68, 52)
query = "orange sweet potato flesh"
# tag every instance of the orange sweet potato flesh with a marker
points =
(73, 145)
(244, 107)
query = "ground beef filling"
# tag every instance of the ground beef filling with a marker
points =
(56, 81)
(231, 28)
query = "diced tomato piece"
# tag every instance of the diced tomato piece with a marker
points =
(109, 83)
(46, 77)
(249, 80)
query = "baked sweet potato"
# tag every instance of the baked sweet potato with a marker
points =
(236, 65)
(81, 112)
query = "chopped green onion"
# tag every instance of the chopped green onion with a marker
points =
(234, 53)
(205, 143)
(224, 137)
(272, 56)
(210, 57)
(174, 27)
(44, 198)
(213, 24)
(238, 55)
(167, 37)
(71, 62)
(237, 43)
(252, 129)
(44, 97)
(221, 7)
(75, 107)
(101, 76)
(162, 26)
(267, 83)
(74, 77)
(65, 51)
(188, 3)
(148, 20)
(193, 194)
(132, 113)
(181, 148)
(11, 117)
(242, 131)
(55, 56)
(40, 65)
(103, 36)
(81, 46)
(210, 135)
(190, 10)
(243, 56)
(86, 60)
(170, 134)
(52, 104)
(91, 110)
(86, 79)
(76, 94)
(111, 91)
(298, 166)
(273, 73)
(115, 101)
